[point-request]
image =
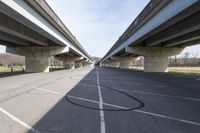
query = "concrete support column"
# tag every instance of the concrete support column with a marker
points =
(107, 64)
(78, 64)
(156, 63)
(37, 58)
(125, 62)
(113, 63)
(104, 64)
(87, 63)
(84, 64)
(69, 64)
(37, 64)
(155, 58)
(101, 64)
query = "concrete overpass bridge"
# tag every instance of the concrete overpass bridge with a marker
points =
(164, 28)
(31, 28)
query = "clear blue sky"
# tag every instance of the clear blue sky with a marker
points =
(97, 24)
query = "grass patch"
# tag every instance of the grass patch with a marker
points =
(191, 70)
(141, 69)
(8, 70)
(185, 70)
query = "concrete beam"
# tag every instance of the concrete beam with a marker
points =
(193, 36)
(14, 28)
(41, 22)
(173, 21)
(37, 58)
(186, 26)
(155, 58)
(147, 51)
(12, 40)
(161, 17)
(37, 51)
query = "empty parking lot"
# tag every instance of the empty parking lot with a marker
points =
(100, 100)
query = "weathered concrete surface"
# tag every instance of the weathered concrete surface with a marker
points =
(162, 23)
(71, 62)
(37, 58)
(155, 58)
(35, 25)
(112, 63)
(37, 64)
(125, 62)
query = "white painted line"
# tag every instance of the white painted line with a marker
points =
(121, 107)
(93, 101)
(159, 94)
(45, 90)
(168, 117)
(140, 111)
(82, 84)
(84, 99)
(18, 121)
(134, 91)
(80, 98)
(102, 118)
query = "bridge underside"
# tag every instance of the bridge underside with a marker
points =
(36, 36)
(165, 40)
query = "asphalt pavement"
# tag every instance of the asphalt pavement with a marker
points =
(100, 100)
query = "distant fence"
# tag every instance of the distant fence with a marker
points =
(55, 68)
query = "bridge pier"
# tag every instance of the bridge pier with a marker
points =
(115, 64)
(102, 64)
(69, 64)
(87, 63)
(125, 62)
(81, 63)
(84, 64)
(155, 58)
(78, 64)
(156, 63)
(37, 64)
(37, 59)
(112, 63)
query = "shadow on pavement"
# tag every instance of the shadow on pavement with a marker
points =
(182, 80)
(9, 74)
(78, 110)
